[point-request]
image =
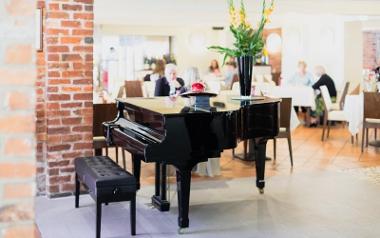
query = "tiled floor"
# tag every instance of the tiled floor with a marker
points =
(309, 154)
(313, 199)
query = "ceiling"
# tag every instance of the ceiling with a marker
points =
(214, 12)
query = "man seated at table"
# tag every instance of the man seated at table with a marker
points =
(323, 80)
(170, 84)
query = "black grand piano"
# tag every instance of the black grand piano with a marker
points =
(165, 130)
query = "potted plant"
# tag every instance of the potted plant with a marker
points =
(249, 42)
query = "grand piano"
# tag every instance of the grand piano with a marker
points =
(165, 130)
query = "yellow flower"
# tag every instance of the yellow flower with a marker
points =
(247, 25)
(242, 16)
(265, 52)
(268, 12)
(233, 18)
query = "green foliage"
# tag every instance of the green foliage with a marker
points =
(248, 41)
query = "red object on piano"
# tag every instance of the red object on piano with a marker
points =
(198, 87)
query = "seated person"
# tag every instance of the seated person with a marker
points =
(302, 77)
(170, 84)
(214, 68)
(323, 80)
(231, 74)
(158, 71)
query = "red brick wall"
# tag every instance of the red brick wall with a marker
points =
(66, 85)
(17, 150)
(370, 45)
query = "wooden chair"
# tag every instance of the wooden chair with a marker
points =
(344, 94)
(285, 113)
(121, 92)
(102, 113)
(133, 88)
(330, 113)
(371, 115)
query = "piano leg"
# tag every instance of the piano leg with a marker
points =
(136, 168)
(260, 148)
(183, 191)
(159, 198)
(98, 152)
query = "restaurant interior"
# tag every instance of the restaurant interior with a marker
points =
(235, 118)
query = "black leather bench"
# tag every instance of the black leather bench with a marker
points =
(107, 182)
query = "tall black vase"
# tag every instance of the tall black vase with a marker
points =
(245, 66)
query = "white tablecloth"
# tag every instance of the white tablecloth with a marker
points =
(353, 110)
(294, 121)
(301, 96)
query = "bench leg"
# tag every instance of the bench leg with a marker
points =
(133, 215)
(77, 190)
(98, 218)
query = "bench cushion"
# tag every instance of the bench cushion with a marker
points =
(101, 172)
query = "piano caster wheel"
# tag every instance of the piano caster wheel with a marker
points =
(261, 190)
(181, 231)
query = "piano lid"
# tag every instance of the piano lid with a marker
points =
(167, 106)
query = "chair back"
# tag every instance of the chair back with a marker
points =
(235, 79)
(371, 105)
(121, 92)
(344, 94)
(285, 112)
(133, 88)
(102, 113)
(236, 87)
(326, 97)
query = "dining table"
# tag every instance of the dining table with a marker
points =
(353, 110)
(301, 96)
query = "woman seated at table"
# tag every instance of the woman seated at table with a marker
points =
(323, 80)
(231, 74)
(170, 84)
(302, 77)
(214, 68)
(158, 71)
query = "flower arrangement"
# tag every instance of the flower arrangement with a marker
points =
(248, 41)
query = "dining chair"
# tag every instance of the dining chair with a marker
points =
(371, 115)
(133, 88)
(236, 87)
(121, 93)
(331, 113)
(103, 113)
(285, 113)
(344, 94)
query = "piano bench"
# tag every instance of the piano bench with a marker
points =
(107, 182)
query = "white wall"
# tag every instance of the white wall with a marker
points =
(318, 40)
(353, 52)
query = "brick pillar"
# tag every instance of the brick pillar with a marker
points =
(68, 50)
(40, 88)
(17, 102)
(370, 44)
